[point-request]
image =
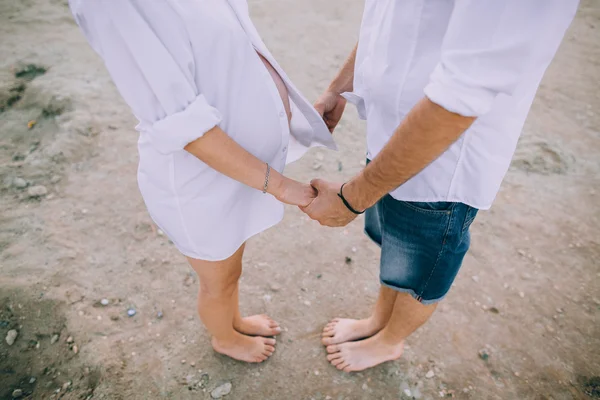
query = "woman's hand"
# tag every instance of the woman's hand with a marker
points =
(295, 193)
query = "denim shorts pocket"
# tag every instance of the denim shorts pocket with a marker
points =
(469, 218)
(438, 207)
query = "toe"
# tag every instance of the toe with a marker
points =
(333, 348)
(334, 356)
(267, 353)
(335, 320)
(342, 365)
(270, 348)
(270, 341)
(328, 333)
(328, 341)
(337, 362)
(348, 369)
(328, 328)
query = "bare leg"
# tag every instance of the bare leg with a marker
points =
(259, 325)
(408, 315)
(218, 283)
(341, 330)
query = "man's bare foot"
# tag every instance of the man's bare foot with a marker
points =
(257, 325)
(341, 330)
(358, 356)
(252, 349)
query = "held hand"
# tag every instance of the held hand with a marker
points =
(331, 107)
(327, 208)
(296, 193)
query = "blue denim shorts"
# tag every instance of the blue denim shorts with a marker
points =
(422, 244)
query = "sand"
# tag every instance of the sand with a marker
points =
(521, 322)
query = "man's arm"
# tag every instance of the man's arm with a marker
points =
(331, 105)
(426, 132)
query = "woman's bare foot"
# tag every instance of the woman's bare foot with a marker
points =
(246, 348)
(341, 330)
(258, 325)
(358, 356)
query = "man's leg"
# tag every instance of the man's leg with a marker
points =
(423, 245)
(341, 330)
(407, 316)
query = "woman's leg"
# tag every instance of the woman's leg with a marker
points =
(216, 307)
(259, 325)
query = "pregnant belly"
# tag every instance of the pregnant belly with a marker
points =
(281, 88)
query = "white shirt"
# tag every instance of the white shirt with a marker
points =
(184, 67)
(482, 58)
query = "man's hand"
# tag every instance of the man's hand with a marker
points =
(327, 208)
(331, 107)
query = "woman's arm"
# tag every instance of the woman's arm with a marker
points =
(158, 85)
(216, 149)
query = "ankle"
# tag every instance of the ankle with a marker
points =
(376, 322)
(226, 339)
(388, 338)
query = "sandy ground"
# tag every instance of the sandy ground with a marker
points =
(522, 321)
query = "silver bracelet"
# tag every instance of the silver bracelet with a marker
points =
(267, 178)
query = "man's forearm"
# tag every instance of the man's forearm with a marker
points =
(344, 80)
(426, 132)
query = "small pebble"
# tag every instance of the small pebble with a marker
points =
(17, 393)
(430, 374)
(75, 349)
(193, 364)
(408, 392)
(37, 191)
(183, 361)
(104, 302)
(521, 294)
(32, 380)
(159, 315)
(348, 260)
(66, 385)
(354, 249)
(11, 336)
(131, 312)
(20, 183)
(221, 391)
(475, 278)
(307, 303)
(54, 339)
(317, 373)
(484, 355)
(70, 339)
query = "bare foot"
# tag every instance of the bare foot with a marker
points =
(358, 356)
(341, 330)
(246, 348)
(258, 325)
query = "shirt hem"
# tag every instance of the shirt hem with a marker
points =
(451, 199)
(236, 245)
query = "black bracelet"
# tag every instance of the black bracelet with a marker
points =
(348, 206)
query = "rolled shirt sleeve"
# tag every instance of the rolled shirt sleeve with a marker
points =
(149, 58)
(487, 48)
